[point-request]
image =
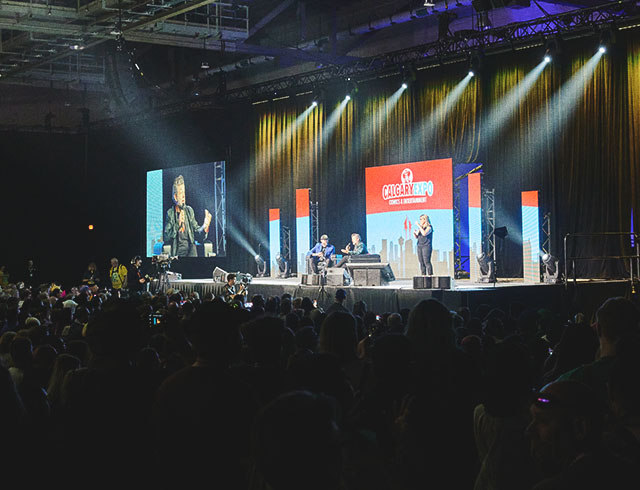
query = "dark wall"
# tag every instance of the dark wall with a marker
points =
(52, 195)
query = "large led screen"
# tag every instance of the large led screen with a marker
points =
(396, 196)
(186, 211)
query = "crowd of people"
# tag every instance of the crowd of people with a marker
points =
(175, 388)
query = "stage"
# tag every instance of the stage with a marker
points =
(585, 295)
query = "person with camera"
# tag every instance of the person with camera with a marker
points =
(231, 289)
(139, 279)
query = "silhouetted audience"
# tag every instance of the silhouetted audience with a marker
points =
(167, 390)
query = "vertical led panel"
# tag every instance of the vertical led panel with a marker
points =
(274, 239)
(303, 228)
(530, 237)
(475, 224)
(155, 213)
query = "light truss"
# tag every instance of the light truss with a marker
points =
(519, 35)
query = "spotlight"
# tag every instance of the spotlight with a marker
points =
(348, 97)
(501, 232)
(476, 60)
(283, 266)
(314, 104)
(551, 272)
(261, 264)
(404, 85)
(602, 49)
(90, 227)
(487, 269)
(547, 59)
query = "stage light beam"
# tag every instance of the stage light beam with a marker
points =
(503, 109)
(439, 113)
(547, 124)
(333, 119)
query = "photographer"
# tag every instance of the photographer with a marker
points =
(231, 289)
(138, 279)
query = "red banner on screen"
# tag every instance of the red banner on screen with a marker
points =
(274, 214)
(302, 203)
(410, 186)
(530, 198)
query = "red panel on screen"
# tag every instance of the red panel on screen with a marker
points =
(410, 186)
(530, 198)
(274, 214)
(474, 190)
(302, 203)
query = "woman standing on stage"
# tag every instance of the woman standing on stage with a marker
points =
(424, 235)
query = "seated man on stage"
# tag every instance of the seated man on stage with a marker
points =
(322, 252)
(358, 248)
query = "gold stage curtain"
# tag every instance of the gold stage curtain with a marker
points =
(369, 132)
(584, 162)
(633, 112)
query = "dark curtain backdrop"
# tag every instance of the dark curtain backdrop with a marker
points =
(585, 163)
(582, 158)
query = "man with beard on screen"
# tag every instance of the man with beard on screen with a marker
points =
(181, 228)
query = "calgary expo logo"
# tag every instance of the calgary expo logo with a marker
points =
(407, 188)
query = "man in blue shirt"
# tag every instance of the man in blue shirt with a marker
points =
(322, 252)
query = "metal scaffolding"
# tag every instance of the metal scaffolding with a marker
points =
(220, 208)
(315, 226)
(489, 223)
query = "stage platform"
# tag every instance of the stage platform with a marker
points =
(585, 295)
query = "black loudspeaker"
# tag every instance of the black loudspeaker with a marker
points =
(431, 282)
(422, 282)
(367, 277)
(387, 274)
(336, 276)
(310, 279)
(441, 282)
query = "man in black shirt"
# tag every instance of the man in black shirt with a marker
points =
(424, 235)
(138, 279)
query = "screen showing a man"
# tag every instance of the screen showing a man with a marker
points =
(181, 230)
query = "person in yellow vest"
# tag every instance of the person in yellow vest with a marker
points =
(118, 275)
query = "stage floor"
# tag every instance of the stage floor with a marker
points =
(585, 295)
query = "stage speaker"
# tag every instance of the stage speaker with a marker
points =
(310, 279)
(336, 276)
(367, 277)
(422, 282)
(441, 282)
(219, 275)
(387, 273)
